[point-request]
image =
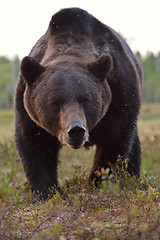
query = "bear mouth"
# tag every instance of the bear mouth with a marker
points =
(75, 145)
(79, 143)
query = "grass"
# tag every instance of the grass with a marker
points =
(122, 209)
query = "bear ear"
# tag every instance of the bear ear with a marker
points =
(31, 70)
(101, 66)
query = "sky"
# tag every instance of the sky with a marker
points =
(23, 22)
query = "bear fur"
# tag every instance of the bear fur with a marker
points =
(79, 86)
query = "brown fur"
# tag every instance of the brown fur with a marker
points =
(80, 85)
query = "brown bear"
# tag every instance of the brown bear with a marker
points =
(79, 86)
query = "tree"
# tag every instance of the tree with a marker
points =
(151, 70)
(8, 78)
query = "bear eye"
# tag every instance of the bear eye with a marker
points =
(58, 102)
(83, 100)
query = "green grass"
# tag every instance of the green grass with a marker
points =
(6, 125)
(122, 209)
(149, 130)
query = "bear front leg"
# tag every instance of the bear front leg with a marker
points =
(41, 171)
(106, 157)
(39, 158)
(100, 161)
(135, 158)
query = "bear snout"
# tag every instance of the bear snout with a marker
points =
(76, 130)
(77, 135)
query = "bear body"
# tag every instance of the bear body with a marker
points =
(79, 86)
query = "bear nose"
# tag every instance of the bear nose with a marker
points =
(76, 130)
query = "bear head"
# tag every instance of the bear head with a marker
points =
(67, 97)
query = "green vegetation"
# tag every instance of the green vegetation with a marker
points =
(122, 209)
(151, 69)
(9, 70)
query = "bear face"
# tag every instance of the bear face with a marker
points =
(67, 98)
